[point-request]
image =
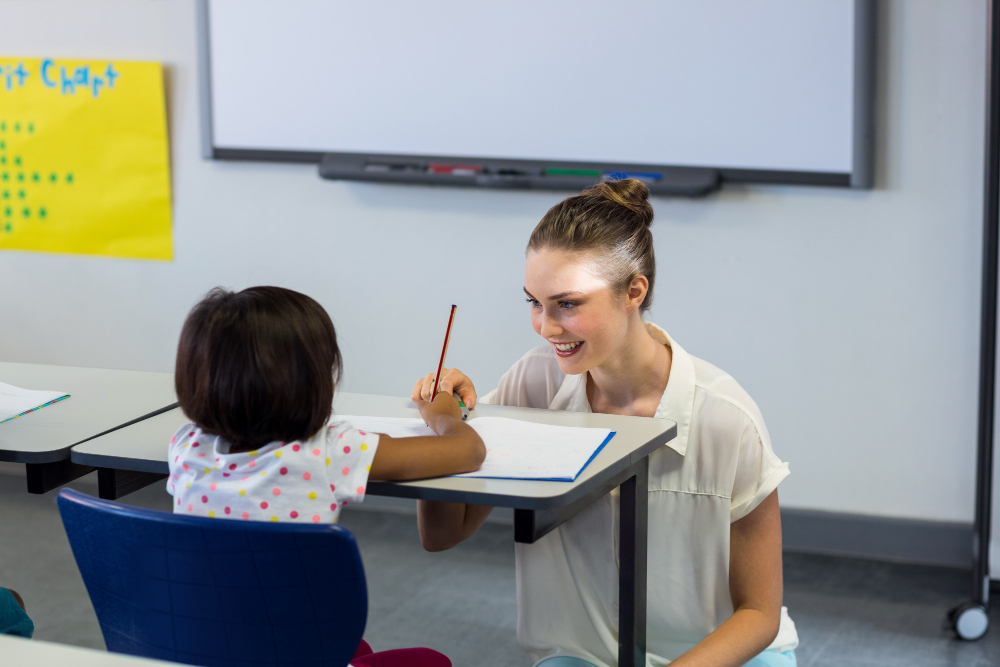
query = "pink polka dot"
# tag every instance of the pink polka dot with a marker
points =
(176, 457)
(178, 501)
(294, 514)
(216, 459)
(284, 471)
(341, 436)
(227, 510)
(362, 433)
(212, 486)
(173, 440)
(295, 448)
(361, 490)
(194, 444)
(333, 506)
(246, 515)
(306, 476)
(315, 518)
(316, 452)
(185, 466)
(176, 477)
(190, 507)
(225, 474)
(191, 434)
(204, 499)
(263, 504)
(253, 464)
(232, 466)
(345, 470)
(276, 491)
(333, 488)
(347, 449)
(243, 479)
(201, 454)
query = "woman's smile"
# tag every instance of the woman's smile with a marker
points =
(566, 349)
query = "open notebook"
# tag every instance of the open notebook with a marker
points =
(514, 449)
(15, 401)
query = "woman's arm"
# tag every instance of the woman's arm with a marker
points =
(456, 448)
(755, 584)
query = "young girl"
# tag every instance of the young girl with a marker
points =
(256, 372)
(714, 540)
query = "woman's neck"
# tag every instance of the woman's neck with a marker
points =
(633, 379)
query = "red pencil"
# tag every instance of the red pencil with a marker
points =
(444, 351)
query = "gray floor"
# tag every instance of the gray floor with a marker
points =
(849, 612)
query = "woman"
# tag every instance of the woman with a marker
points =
(714, 541)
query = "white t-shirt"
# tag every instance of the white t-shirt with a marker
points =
(716, 471)
(306, 481)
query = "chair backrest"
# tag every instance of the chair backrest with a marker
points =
(218, 591)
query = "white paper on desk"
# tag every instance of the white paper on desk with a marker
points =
(15, 401)
(514, 449)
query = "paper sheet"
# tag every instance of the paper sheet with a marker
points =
(514, 449)
(15, 401)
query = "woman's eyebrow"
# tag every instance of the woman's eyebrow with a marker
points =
(554, 297)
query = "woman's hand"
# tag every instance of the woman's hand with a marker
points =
(438, 413)
(452, 380)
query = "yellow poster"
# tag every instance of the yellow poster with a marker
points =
(84, 164)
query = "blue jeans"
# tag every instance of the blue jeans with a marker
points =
(769, 658)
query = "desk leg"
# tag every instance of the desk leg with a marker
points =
(633, 526)
(43, 477)
(114, 484)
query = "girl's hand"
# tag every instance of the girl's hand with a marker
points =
(452, 380)
(444, 405)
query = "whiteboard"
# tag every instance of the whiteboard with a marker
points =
(767, 85)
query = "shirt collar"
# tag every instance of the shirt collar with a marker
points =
(677, 402)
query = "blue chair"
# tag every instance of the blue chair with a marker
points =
(215, 591)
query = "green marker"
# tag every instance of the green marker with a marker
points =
(551, 171)
(465, 410)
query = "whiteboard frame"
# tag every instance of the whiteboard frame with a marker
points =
(862, 174)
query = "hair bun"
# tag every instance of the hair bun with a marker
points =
(631, 194)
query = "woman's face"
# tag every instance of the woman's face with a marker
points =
(574, 308)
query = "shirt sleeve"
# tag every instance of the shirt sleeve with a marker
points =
(175, 451)
(349, 457)
(758, 473)
(532, 382)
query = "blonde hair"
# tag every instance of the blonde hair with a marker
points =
(612, 220)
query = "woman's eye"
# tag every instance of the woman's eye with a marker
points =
(534, 302)
(567, 305)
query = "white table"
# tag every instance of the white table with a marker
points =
(34, 653)
(100, 400)
(539, 507)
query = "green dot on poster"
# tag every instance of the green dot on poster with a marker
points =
(26, 212)
(17, 127)
(3, 159)
(69, 177)
(6, 194)
(22, 194)
(3, 145)
(42, 212)
(17, 159)
(8, 227)
(6, 176)
(20, 177)
(53, 177)
(3, 126)
(31, 127)
(36, 177)
(7, 211)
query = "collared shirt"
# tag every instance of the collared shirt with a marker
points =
(716, 471)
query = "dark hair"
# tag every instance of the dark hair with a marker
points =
(612, 218)
(257, 366)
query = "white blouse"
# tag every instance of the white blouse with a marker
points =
(716, 471)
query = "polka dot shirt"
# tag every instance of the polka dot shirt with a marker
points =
(306, 481)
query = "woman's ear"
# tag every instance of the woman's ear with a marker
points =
(636, 293)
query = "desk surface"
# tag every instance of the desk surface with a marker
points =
(21, 651)
(100, 399)
(142, 447)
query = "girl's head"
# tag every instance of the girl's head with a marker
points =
(257, 366)
(590, 272)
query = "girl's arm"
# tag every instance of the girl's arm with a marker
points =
(755, 584)
(455, 449)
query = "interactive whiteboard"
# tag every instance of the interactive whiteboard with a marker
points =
(771, 90)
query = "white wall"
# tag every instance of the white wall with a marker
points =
(852, 317)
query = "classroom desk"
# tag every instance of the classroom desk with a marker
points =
(539, 507)
(21, 651)
(100, 400)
